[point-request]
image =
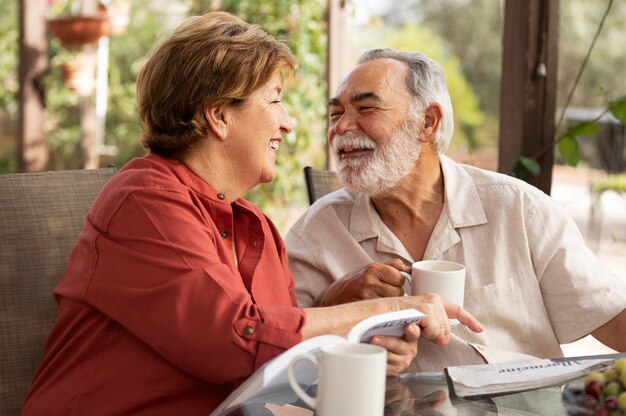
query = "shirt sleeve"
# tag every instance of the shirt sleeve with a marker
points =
(580, 293)
(161, 274)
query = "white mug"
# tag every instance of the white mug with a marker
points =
(351, 380)
(445, 278)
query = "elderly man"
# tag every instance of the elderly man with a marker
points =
(530, 279)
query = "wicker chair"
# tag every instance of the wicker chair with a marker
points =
(319, 183)
(41, 215)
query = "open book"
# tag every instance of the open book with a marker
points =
(271, 379)
(473, 381)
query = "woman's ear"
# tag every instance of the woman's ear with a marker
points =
(217, 121)
(432, 123)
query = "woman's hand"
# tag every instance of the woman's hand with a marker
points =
(436, 325)
(400, 351)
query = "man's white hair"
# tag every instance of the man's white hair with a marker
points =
(427, 83)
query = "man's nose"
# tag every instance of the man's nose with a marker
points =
(345, 123)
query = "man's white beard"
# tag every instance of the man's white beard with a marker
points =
(388, 163)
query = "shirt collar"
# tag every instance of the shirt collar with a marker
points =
(461, 202)
(189, 178)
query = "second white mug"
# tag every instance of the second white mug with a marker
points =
(351, 380)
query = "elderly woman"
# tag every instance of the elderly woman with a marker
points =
(178, 289)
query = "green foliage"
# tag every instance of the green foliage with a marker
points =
(568, 147)
(579, 22)
(618, 109)
(471, 31)
(9, 62)
(525, 166)
(610, 183)
(567, 142)
(8, 84)
(301, 25)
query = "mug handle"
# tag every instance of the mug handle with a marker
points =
(407, 281)
(311, 401)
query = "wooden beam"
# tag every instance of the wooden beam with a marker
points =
(528, 92)
(32, 152)
(337, 58)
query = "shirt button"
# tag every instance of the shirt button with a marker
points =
(221, 196)
(224, 234)
(249, 330)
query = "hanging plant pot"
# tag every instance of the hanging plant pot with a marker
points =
(79, 30)
(79, 74)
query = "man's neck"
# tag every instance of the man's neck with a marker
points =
(412, 208)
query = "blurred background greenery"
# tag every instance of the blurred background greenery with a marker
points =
(465, 36)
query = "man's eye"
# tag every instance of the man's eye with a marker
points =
(335, 114)
(365, 109)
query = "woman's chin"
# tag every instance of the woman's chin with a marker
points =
(267, 176)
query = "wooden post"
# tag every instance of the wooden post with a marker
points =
(90, 159)
(528, 93)
(32, 152)
(337, 59)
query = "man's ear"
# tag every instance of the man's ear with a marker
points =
(217, 121)
(432, 123)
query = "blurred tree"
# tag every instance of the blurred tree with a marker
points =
(602, 78)
(471, 30)
(8, 84)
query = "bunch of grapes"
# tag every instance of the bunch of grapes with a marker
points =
(603, 393)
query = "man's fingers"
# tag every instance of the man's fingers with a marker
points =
(390, 275)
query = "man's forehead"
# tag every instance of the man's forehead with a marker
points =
(374, 79)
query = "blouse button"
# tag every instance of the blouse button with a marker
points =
(221, 196)
(224, 234)
(249, 330)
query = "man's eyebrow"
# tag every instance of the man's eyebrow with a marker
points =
(368, 95)
(361, 96)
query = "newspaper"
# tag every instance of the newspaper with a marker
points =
(473, 381)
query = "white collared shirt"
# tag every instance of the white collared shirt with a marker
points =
(530, 279)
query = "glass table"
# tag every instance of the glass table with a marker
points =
(421, 394)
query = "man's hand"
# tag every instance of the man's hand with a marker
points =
(376, 280)
(400, 351)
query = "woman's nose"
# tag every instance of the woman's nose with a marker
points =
(286, 126)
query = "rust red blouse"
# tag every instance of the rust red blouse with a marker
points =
(155, 317)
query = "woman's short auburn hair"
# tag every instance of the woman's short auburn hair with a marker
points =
(208, 61)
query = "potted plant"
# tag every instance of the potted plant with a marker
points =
(79, 30)
(79, 73)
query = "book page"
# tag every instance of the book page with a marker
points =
(388, 324)
(271, 378)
